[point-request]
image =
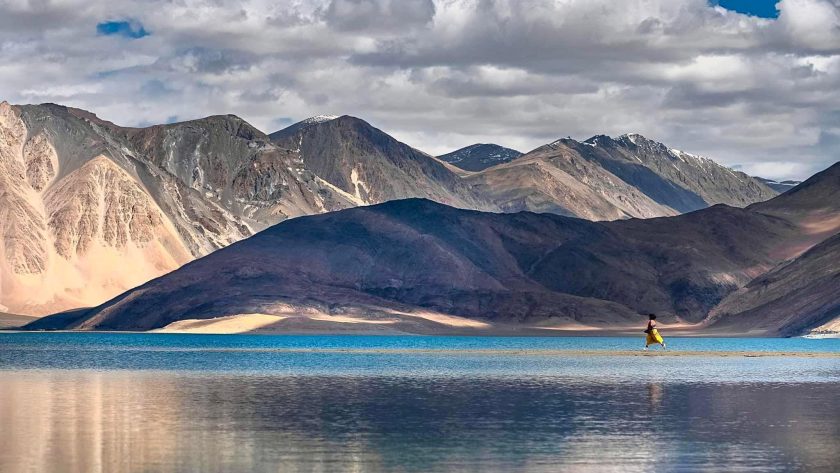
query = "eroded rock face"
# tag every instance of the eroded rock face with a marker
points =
(21, 217)
(373, 167)
(674, 178)
(100, 202)
(236, 167)
(41, 161)
(77, 227)
(90, 209)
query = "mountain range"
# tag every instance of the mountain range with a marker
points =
(422, 267)
(91, 209)
(607, 179)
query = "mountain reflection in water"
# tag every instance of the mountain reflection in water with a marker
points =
(133, 421)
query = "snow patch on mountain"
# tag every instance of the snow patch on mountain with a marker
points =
(359, 186)
(319, 119)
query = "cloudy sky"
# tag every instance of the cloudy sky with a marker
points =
(757, 89)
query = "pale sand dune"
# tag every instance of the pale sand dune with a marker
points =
(343, 319)
(313, 321)
(264, 323)
(443, 319)
(239, 323)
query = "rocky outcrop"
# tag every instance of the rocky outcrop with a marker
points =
(100, 202)
(41, 162)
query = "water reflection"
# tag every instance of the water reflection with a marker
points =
(81, 421)
(655, 395)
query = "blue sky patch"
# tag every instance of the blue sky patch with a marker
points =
(760, 8)
(126, 28)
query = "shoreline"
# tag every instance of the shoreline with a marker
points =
(518, 333)
(427, 324)
(551, 352)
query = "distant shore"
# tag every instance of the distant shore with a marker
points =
(11, 321)
(419, 324)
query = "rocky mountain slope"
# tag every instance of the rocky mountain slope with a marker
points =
(789, 300)
(606, 178)
(480, 156)
(90, 209)
(372, 166)
(237, 167)
(555, 179)
(801, 293)
(392, 262)
(66, 216)
(680, 180)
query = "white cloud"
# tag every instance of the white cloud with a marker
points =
(447, 73)
(781, 170)
(813, 24)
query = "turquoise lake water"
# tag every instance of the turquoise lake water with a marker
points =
(83, 402)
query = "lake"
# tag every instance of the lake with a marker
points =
(88, 402)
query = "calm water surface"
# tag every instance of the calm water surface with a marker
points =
(185, 403)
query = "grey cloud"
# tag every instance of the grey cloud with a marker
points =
(378, 15)
(539, 35)
(746, 91)
(479, 82)
(206, 60)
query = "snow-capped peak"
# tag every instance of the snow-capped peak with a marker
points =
(680, 154)
(634, 138)
(319, 119)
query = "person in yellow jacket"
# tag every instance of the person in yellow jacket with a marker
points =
(653, 334)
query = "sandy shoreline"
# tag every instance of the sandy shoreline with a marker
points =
(414, 324)
(418, 323)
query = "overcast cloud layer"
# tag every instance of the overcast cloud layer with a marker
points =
(754, 93)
